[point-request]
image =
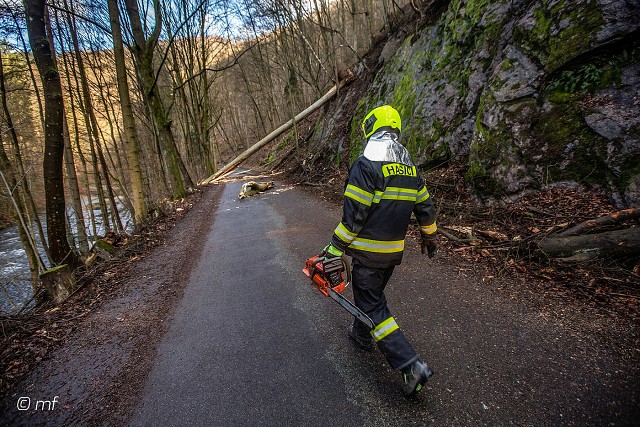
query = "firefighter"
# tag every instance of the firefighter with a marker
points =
(382, 190)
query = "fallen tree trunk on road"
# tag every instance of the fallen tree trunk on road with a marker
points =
(273, 135)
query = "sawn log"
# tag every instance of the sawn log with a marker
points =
(601, 245)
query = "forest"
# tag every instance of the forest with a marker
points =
(114, 111)
(141, 284)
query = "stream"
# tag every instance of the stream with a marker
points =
(15, 279)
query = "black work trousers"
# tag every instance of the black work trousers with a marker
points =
(368, 294)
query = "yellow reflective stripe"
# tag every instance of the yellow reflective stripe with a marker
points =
(423, 195)
(358, 194)
(378, 196)
(384, 329)
(379, 246)
(344, 234)
(397, 193)
(429, 229)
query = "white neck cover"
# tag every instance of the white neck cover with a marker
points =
(383, 146)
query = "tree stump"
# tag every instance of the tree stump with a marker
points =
(59, 283)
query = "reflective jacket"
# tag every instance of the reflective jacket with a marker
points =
(383, 189)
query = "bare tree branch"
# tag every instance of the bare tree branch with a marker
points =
(217, 70)
(84, 18)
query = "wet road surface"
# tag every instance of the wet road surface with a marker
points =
(253, 344)
(242, 350)
(244, 340)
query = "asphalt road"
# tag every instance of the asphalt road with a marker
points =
(252, 343)
(218, 326)
(242, 349)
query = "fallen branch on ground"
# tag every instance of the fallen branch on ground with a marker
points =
(614, 218)
(456, 239)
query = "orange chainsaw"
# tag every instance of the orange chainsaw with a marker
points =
(328, 276)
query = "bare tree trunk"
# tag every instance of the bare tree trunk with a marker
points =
(92, 123)
(35, 263)
(185, 63)
(12, 184)
(587, 240)
(72, 179)
(385, 8)
(259, 119)
(91, 137)
(581, 248)
(70, 168)
(594, 224)
(131, 141)
(27, 57)
(116, 135)
(115, 215)
(83, 160)
(143, 50)
(53, 136)
(265, 73)
(211, 162)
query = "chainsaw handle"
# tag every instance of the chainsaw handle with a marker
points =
(345, 264)
(347, 270)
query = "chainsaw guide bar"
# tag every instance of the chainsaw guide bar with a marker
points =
(351, 308)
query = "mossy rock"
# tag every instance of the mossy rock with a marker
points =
(104, 249)
(503, 85)
(106, 246)
(555, 32)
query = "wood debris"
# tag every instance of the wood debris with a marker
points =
(251, 188)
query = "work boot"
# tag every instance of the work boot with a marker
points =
(414, 377)
(362, 343)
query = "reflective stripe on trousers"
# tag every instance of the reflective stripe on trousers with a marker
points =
(384, 329)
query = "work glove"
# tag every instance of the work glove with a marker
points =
(331, 251)
(429, 244)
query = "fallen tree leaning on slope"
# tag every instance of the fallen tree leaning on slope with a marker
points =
(273, 135)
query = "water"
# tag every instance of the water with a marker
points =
(15, 278)
(14, 269)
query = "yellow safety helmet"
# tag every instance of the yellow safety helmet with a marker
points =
(385, 116)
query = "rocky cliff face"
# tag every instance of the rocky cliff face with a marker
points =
(523, 93)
